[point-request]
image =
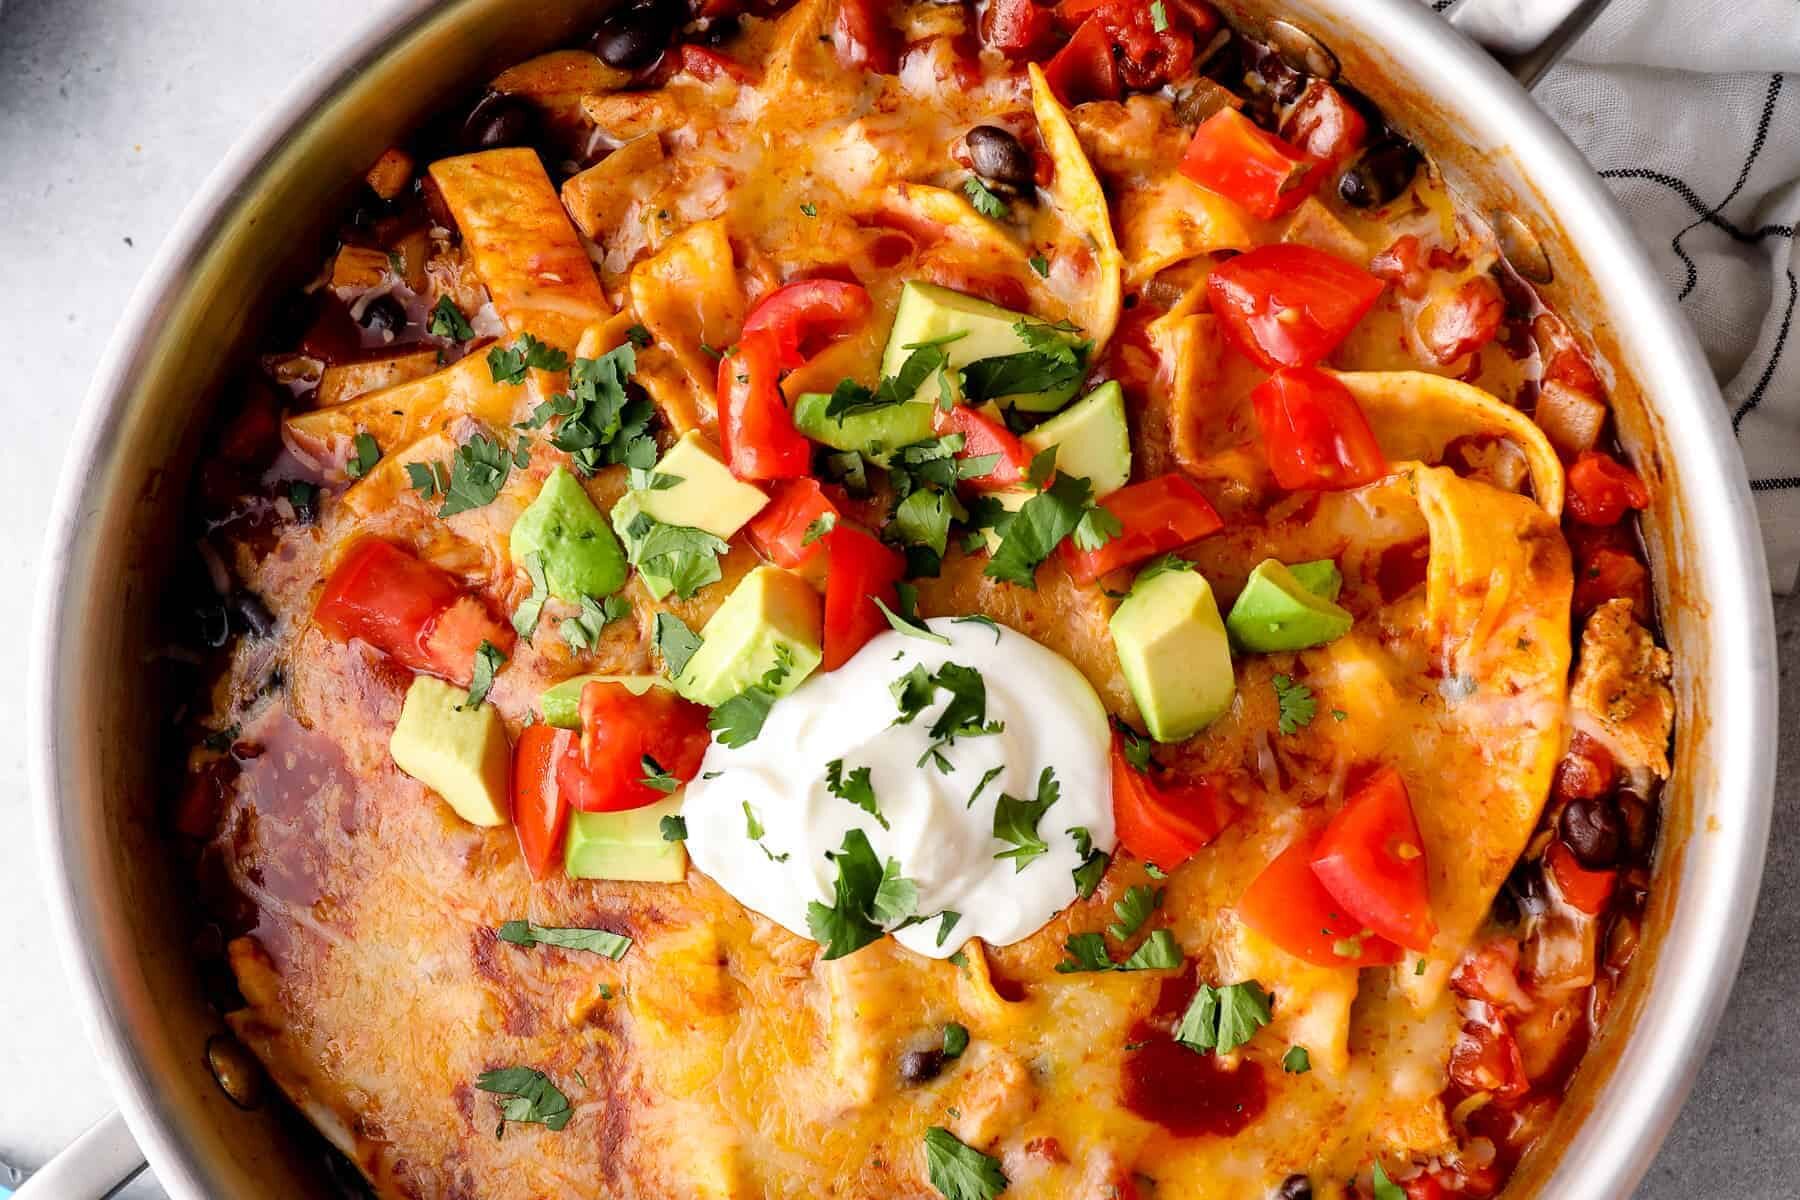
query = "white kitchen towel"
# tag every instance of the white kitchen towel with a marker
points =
(1690, 110)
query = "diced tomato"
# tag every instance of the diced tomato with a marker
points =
(756, 431)
(1488, 1060)
(806, 315)
(1147, 57)
(1601, 489)
(781, 531)
(982, 436)
(1018, 29)
(408, 609)
(1586, 771)
(860, 570)
(1288, 905)
(1324, 125)
(1491, 975)
(1164, 824)
(604, 771)
(1583, 889)
(1084, 69)
(1249, 166)
(1372, 861)
(1462, 321)
(1402, 265)
(707, 65)
(1314, 433)
(1610, 574)
(1426, 1187)
(1288, 305)
(1156, 515)
(865, 40)
(540, 810)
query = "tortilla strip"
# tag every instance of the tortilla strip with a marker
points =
(1076, 193)
(522, 243)
(687, 295)
(399, 415)
(1416, 414)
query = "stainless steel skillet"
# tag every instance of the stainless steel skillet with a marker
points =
(94, 747)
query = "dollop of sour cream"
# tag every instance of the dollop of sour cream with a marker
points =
(936, 825)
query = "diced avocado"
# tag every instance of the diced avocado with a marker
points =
(624, 845)
(459, 753)
(770, 609)
(927, 312)
(1321, 577)
(1174, 653)
(1276, 611)
(875, 433)
(1091, 438)
(708, 497)
(561, 704)
(580, 554)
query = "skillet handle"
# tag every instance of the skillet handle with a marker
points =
(92, 1167)
(1527, 36)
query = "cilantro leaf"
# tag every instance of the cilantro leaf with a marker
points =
(1016, 821)
(529, 1097)
(675, 642)
(911, 626)
(1296, 1061)
(596, 941)
(478, 470)
(582, 631)
(896, 899)
(429, 479)
(854, 787)
(508, 364)
(850, 397)
(1161, 565)
(673, 827)
(531, 609)
(600, 422)
(845, 926)
(923, 518)
(1133, 909)
(687, 559)
(1135, 746)
(366, 456)
(956, 1039)
(819, 528)
(1087, 952)
(1097, 527)
(959, 1171)
(1296, 704)
(982, 619)
(739, 720)
(982, 199)
(1040, 264)
(1052, 361)
(1385, 1188)
(656, 778)
(946, 922)
(1034, 531)
(988, 776)
(1091, 871)
(1158, 952)
(488, 658)
(1222, 1019)
(447, 321)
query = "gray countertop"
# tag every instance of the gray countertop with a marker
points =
(111, 112)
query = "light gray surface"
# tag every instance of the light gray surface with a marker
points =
(111, 111)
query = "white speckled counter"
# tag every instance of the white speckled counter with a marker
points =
(111, 112)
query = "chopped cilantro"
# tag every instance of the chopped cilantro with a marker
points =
(1034, 531)
(1040, 264)
(638, 336)
(508, 364)
(896, 899)
(923, 518)
(1052, 361)
(528, 1098)
(846, 926)
(477, 471)
(1296, 1061)
(819, 528)
(1385, 1188)
(675, 642)
(946, 922)
(910, 625)
(1087, 952)
(854, 787)
(988, 776)
(1016, 821)
(956, 1040)
(809, 209)
(582, 631)
(1135, 747)
(1157, 952)
(982, 619)
(959, 1171)
(366, 456)
(1093, 862)
(599, 421)
(1133, 909)
(983, 200)
(850, 397)
(597, 941)
(739, 720)
(1222, 1019)
(447, 321)
(488, 658)
(531, 609)
(1161, 565)
(674, 827)
(1296, 704)
(658, 779)
(687, 559)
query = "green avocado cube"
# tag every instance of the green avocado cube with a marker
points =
(1321, 577)
(927, 312)
(1174, 653)
(1091, 438)
(561, 703)
(456, 749)
(772, 616)
(581, 556)
(875, 433)
(624, 845)
(1277, 611)
(704, 495)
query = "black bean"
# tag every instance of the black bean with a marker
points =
(1593, 831)
(1640, 816)
(634, 37)
(1525, 890)
(212, 623)
(1383, 172)
(251, 615)
(1294, 1187)
(998, 157)
(919, 1066)
(500, 120)
(384, 315)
